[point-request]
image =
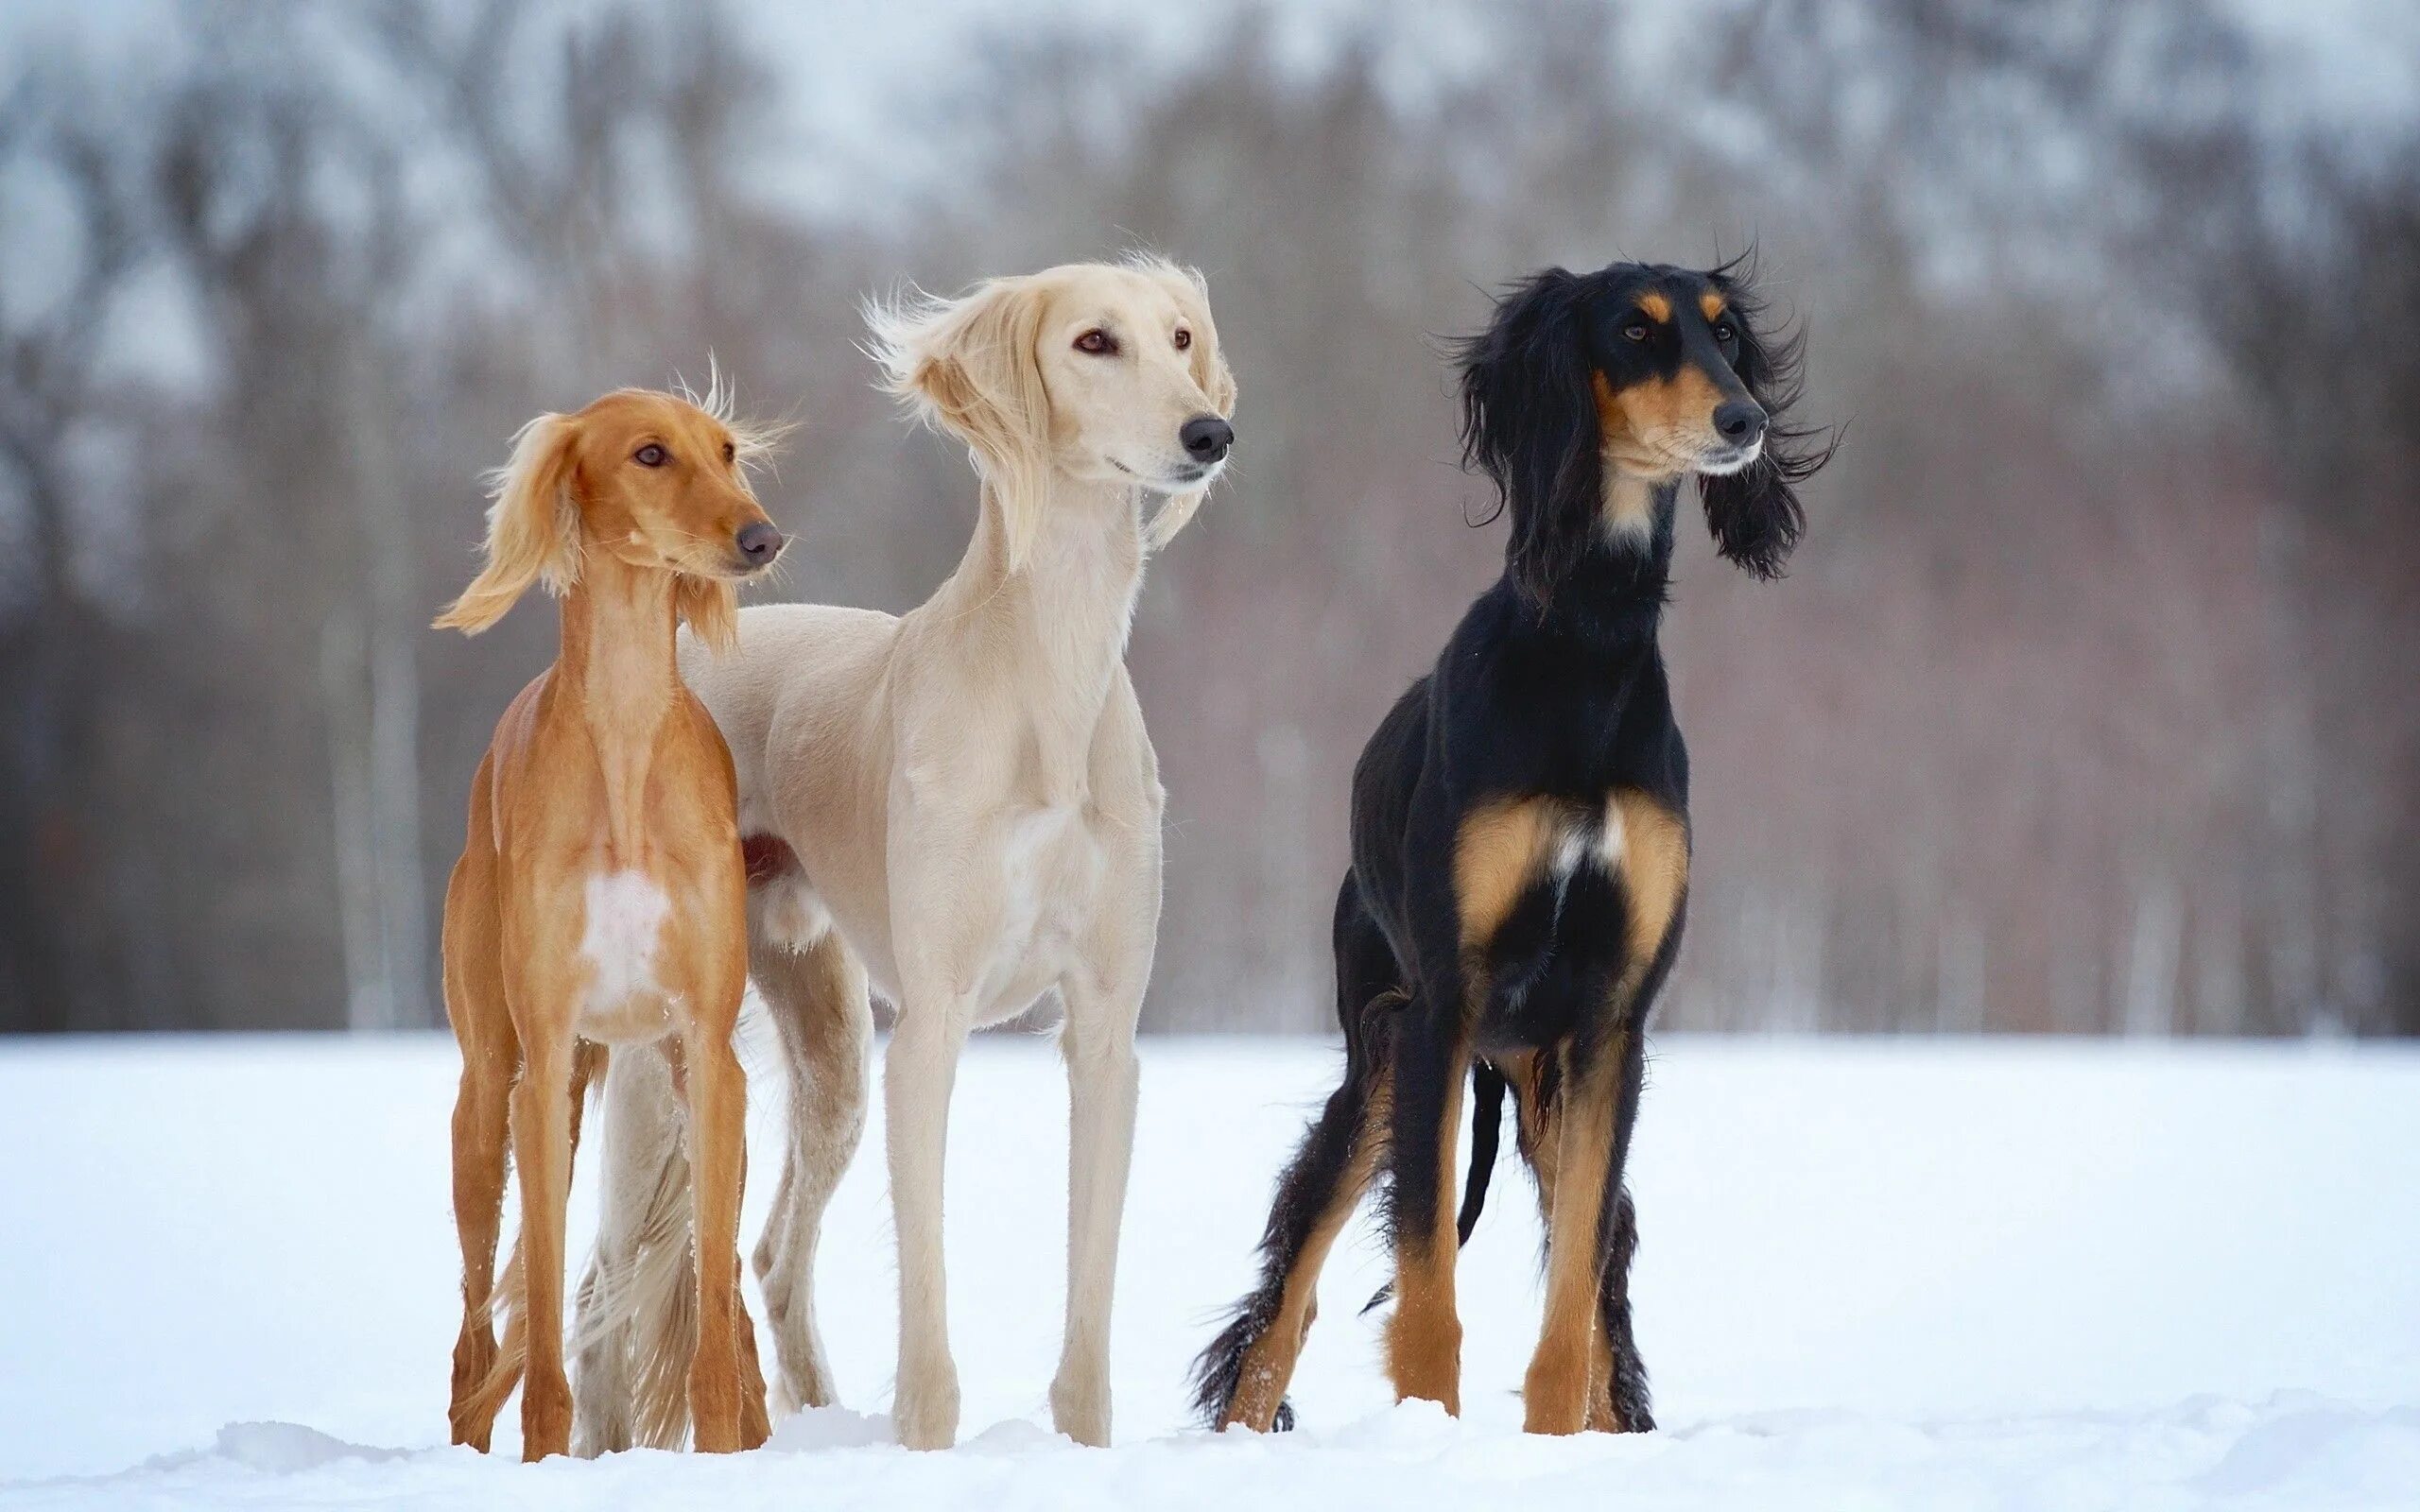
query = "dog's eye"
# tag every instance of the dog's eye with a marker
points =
(1726, 333)
(730, 452)
(1183, 339)
(1097, 341)
(652, 456)
(1635, 330)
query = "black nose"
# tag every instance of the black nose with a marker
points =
(1206, 437)
(759, 542)
(1740, 420)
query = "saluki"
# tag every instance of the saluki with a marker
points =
(601, 895)
(961, 805)
(1520, 838)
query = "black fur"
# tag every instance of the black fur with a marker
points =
(1552, 687)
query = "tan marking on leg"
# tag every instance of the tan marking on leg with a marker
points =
(1556, 1390)
(1269, 1364)
(1500, 849)
(1601, 1380)
(1540, 1140)
(1425, 1337)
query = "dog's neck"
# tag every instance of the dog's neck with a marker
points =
(1613, 597)
(617, 666)
(1061, 621)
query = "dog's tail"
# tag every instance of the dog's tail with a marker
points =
(637, 1323)
(1487, 1131)
(509, 1298)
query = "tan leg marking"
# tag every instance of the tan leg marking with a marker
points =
(1541, 1143)
(1557, 1389)
(1269, 1364)
(1425, 1337)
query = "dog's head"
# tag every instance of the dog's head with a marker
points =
(654, 480)
(1091, 371)
(1641, 373)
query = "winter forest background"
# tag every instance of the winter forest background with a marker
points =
(2089, 705)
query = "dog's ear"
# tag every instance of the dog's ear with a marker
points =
(1530, 422)
(1754, 513)
(710, 606)
(970, 366)
(1208, 364)
(533, 526)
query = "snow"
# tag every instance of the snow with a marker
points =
(1874, 1275)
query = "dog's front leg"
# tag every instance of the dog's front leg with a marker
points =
(918, 1074)
(1098, 1044)
(1425, 1339)
(542, 1141)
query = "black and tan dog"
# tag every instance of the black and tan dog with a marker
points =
(1521, 839)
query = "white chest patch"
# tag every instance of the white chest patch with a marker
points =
(626, 914)
(1599, 843)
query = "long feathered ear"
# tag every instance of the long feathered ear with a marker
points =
(970, 366)
(533, 526)
(1210, 371)
(1529, 423)
(1754, 514)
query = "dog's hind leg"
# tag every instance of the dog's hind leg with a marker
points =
(639, 1273)
(1241, 1377)
(490, 1055)
(819, 1003)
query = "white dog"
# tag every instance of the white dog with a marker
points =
(961, 804)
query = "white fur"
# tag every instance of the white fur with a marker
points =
(973, 798)
(623, 930)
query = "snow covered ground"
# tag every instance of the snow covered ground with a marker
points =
(1874, 1276)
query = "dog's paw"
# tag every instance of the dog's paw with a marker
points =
(1079, 1407)
(926, 1408)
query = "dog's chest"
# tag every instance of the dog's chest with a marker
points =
(1051, 865)
(621, 946)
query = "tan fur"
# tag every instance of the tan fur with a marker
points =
(1657, 429)
(1655, 872)
(1501, 849)
(1269, 1364)
(1541, 1143)
(600, 894)
(968, 789)
(1425, 1336)
(1656, 305)
(1556, 1389)
(1710, 305)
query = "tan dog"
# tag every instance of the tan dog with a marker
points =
(962, 803)
(600, 898)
